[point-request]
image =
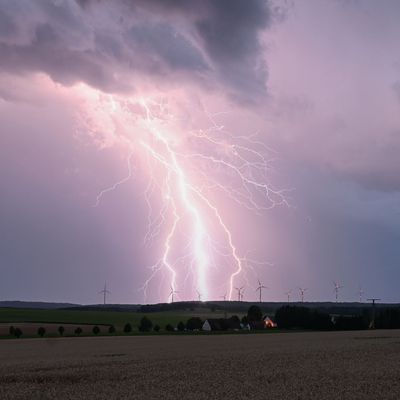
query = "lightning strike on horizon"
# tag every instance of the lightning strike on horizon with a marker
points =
(189, 192)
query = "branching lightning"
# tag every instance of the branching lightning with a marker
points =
(191, 174)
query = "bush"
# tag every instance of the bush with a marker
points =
(61, 330)
(254, 314)
(41, 331)
(11, 330)
(78, 330)
(17, 332)
(387, 318)
(96, 330)
(127, 328)
(181, 326)
(194, 323)
(156, 328)
(145, 325)
(169, 328)
(245, 320)
(111, 329)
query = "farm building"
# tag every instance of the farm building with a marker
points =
(269, 322)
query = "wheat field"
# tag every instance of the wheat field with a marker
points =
(331, 365)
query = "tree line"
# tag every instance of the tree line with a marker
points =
(294, 317)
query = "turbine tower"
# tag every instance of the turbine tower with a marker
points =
(239, 290)
(105, 292)
(198, 296)
(171, 294)
(223, 297)
(260, 288)
(302, 291)
(288, 295)
(336, 289)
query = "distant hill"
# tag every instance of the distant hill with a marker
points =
(267, 307)
(107, 307)
(35, 304)
(212, 306)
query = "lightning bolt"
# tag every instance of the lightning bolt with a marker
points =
(191, 171)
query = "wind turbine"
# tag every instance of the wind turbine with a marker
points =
(171, 294)
(288, 295)
(360, 294)
(239, 290)
(105, 292)
(336, 289)
(198, 296)
(242, 295)
(223, 297)
(302, 291)
(260, 288)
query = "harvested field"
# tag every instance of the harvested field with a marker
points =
(331, 365)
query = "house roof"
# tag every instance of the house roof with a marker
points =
(220, 324)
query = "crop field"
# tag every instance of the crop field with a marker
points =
(332, 365)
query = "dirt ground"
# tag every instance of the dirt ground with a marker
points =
(332, 365)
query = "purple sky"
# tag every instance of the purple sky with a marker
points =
(319, 81)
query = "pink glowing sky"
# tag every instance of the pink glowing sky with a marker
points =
(318, 81)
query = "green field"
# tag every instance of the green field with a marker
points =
(12, 315)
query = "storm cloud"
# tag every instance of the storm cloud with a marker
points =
(213, 43)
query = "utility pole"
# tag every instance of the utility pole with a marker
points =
(372, 323)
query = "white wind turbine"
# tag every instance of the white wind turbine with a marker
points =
(239, 290)
(336, 289)
(302, 291)
(259, 289)
(171, 294)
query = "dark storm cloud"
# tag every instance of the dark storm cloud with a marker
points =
(46, 53)
(213, 42)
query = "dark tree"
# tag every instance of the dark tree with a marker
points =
(245, 320)
(145, 325)
(61, 330)
(156, 328)
(254, 314)
(111, 329)
(194, 323)
(290, 317)
(169, 328)
(96, 330)
(11, 330)
(181, 326)
(41, 331)
(127, 328)
(78, 330)
(17, 332)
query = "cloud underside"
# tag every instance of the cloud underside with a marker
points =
(115, 49)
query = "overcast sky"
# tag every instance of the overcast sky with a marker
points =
(317, 80)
